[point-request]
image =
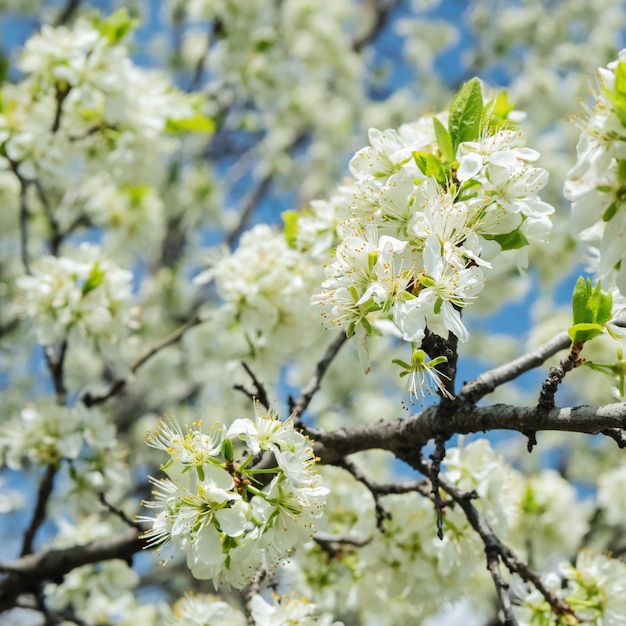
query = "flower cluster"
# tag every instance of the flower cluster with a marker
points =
(595, 589)
(596, 184)
(233, 517)
(265, 285)
(86, 293)
(46, 433)
(282, 611)
(432, 207)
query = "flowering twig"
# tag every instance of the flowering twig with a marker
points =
(497, 551)
(436, 346)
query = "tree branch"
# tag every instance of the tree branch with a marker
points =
(52, 565)
(118, 384)
(55, 365)
(39, 514)
(557, 374)
(306, 395)
(405, 434)
(495, 551)
(383, 11)
(485, 383)
(381, 513)
(67, 13)
(259, 394)
(248, 206)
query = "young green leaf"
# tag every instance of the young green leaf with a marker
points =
(466, 112)
(431, 165)
(443, 140)
(95, 278)
(290, 219)
(197, 123)
(591, 310)
(510, 241)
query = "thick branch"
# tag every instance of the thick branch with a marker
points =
(54, 564)
(400, 435)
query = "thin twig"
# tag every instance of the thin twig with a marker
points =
(55, 365)
(617, 434)
(557, 374)
(437, 456)
(253, 590)
(306, 395)
(24, 217)
(381, 512)
(247, 208)
(68, 12)
(118, 384)
(259, 394)
(479, 524)
(383, 12)
(118, 512)
(496, 550)
(488, 381)
(39, 514)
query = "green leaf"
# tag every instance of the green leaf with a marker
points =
(466, 112)
(610, 212)
(197, 123)
(510, 241)
(620, 79)
(501, 105)
(618, 95)
(290, 220)
(579, 333)
(116, 26)
(591, 310)
(443, 140)
(367, 326)
(94, 280)
(431, 165)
